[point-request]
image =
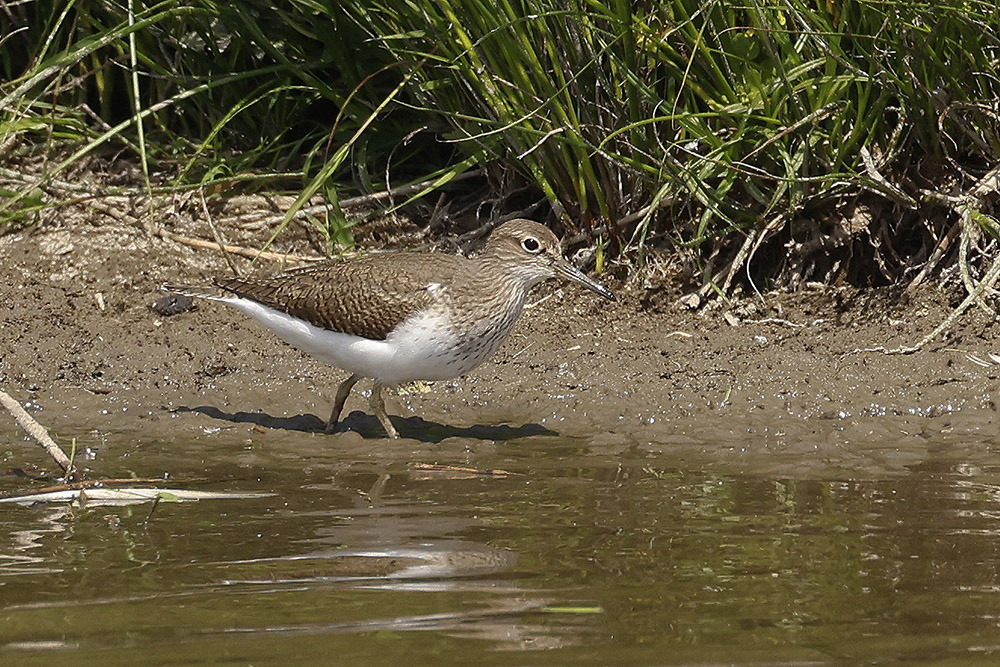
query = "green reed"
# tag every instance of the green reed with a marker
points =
(700, 123)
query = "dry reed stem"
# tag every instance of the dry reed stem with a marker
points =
(41, 436)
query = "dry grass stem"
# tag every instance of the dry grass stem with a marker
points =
(40, 435)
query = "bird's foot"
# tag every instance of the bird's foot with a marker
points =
(378, 407)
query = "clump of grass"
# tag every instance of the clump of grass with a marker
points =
(202, 94)
(710, 122)
(820, 140)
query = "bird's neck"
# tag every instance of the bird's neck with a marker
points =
(503, 289)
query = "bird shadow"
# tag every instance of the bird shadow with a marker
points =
(368, 426)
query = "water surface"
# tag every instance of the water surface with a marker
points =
(595, 549)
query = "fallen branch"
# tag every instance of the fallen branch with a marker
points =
(462, 470)
(237, 250)
(41, 436)
(97, 484)
(349, 203)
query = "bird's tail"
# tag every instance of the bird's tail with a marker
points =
(200, 291)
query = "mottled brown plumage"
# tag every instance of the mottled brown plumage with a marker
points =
(365, 297)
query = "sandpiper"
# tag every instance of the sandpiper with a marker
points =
(403, 316)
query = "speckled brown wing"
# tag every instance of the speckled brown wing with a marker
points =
(365, 297)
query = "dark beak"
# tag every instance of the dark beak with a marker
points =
(566, 270)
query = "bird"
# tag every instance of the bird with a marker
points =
(399, 317)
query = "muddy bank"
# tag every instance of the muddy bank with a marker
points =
(785, 388)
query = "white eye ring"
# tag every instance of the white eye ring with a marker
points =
(531, 244)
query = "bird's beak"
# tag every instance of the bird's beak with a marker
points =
(566, 270)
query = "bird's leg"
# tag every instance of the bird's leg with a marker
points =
(338, 403)
(378, 407)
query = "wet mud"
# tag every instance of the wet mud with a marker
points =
(788, 381)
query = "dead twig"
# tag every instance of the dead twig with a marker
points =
(40, 435)
(349, 203)
(83, 484)
(937, 255)
(885, 188)
(221, 242)
(787, 323)
(462, 470)
(967, 207)
(237, 250)
(749, 248)
(975, 296)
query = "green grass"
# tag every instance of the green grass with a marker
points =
(752, 130)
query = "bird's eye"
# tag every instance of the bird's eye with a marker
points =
(531, 244)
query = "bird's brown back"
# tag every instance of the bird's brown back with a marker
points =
(365, 297)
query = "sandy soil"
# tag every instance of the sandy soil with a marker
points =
(782, 386)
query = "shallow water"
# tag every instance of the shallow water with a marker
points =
(814, 547)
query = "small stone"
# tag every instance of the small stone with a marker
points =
(692, 301)
(173, 304)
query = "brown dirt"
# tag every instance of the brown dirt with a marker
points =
(783, 388)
